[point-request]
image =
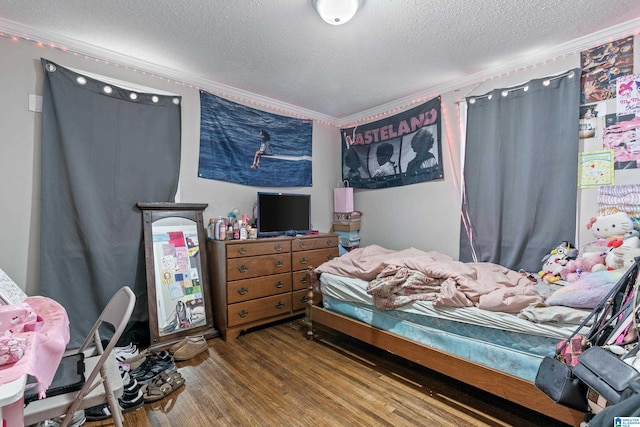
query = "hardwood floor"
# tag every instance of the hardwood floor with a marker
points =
(274, 376)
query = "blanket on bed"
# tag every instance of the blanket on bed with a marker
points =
(398, 277)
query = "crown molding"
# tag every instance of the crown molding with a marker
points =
(625, 29)
(53, 39)
(74, 46)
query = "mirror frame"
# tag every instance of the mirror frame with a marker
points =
(151, 213)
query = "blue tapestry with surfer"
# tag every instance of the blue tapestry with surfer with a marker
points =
(252, 147)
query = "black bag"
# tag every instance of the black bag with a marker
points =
(69, 377)
(558, 380)
(606, 373)
(555, 379)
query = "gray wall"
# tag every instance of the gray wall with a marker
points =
(425, 216)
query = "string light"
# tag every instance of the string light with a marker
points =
(267, 106)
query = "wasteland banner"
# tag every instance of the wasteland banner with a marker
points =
(252, 147)
(399, 150)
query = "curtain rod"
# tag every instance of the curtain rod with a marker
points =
(523, 86)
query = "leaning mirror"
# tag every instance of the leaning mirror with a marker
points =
(178, 291)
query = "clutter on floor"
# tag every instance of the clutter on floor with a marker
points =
(148, 376)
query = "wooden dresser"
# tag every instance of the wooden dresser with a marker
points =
(264, 280)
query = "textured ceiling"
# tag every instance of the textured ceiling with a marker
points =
(281, 49)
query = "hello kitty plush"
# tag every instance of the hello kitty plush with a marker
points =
(623, 256)
(610, 232)
(615, 225)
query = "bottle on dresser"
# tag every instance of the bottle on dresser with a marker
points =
(211, 229)
(236, 230)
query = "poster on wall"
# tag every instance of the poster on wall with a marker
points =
(622, 135)
(628, 95)
(398, 150)
(588, 126)
(602, 65)
(252, 147)
(595, 168)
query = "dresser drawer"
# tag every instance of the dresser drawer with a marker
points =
(303, 259)
(299, 280)
(314, 243)
(244, 290)
(300, 300)
(249, 311)
(263, 265)
(247, 248)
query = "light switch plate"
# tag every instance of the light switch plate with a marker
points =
(35, 103)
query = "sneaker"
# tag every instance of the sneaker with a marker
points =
(130, 346)
(135, 361)
(98, 413)
(77, 420)
(152, 367)
(123, 353)
(132, 386)
(131, 401)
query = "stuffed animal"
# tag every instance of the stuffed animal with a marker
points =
(582, 266)
(609, 231)
(623, 256)
(616, 225)
(555, 261)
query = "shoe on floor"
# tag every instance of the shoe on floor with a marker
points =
(131, 401)
(192, 346)
(98, 413)
(161, 386)
(182, 342)
(77, 420)
(152, 368)
(136, 360)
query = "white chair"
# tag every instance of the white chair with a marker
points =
(97, 389)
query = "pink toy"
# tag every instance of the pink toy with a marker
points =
(582, 266)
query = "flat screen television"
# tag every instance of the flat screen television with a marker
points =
(280, 214)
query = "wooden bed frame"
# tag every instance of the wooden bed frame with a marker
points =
(506, 386)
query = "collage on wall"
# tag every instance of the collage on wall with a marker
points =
(398, 150)
(611, 102)
(252, 147)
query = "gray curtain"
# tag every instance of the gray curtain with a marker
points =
(104, 149)
(520, 172)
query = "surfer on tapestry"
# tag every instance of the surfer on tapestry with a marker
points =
(264, 150)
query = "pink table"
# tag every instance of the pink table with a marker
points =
(46, 331)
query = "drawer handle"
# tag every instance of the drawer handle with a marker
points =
(330, 256)
(304, 299)
(243, 268)
(279, 264)
(303, 260)
(243, 313)
(279, 284)
(303, 245)
(329, 243)
(278, 248)
(242, 250)
(243, 290)
(279, 305)
(303, 280)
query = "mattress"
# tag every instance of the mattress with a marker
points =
(502, 341)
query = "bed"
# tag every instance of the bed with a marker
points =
(481, 324)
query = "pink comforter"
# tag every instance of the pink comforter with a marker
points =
(484, 285)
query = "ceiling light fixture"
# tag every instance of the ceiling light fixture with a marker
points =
(336, 12)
